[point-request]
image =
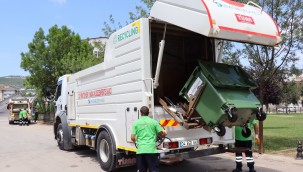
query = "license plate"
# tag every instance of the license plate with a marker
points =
(188, 143)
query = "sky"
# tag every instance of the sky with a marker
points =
(21, 19)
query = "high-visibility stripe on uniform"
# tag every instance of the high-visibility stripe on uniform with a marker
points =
(238, 158)
(249, 159)
(169, 123)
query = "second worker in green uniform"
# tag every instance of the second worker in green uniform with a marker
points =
(246, 143)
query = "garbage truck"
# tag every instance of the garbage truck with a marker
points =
(149, 63)
(15, 105)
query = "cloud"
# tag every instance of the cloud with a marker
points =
(59, 1)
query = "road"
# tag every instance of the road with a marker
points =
(33, 148)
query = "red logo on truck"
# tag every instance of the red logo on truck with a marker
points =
(245, 19)
(95, 93)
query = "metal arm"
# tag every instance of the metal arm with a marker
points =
(159, 63)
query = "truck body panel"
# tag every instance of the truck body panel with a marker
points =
(103, 101)
(112, 93)
(241, 22)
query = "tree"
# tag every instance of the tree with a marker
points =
(50, 56)
(291, 93)
(140, 11)
(268, 64)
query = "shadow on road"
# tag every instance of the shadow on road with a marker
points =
(202, 164)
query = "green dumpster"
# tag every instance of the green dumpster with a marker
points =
(225, 97)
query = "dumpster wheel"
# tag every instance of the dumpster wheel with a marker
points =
(232, 115)
(261, 116)
(220, 130)
(246, 132)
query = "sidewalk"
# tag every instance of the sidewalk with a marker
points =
(265, 162)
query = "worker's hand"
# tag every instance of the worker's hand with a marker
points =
(257, 139)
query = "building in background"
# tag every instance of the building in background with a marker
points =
(7, 91)
(98, 40)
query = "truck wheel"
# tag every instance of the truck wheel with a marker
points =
(105, 152)
(10, 122)
(60, 136)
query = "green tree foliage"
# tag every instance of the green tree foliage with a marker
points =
(291, 93)
(50, 56)
(268, 64)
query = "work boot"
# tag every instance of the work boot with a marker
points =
(237, 169)
(251, 167)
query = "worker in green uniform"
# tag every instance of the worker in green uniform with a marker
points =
(246, 144)
(25, 117)
(144, 134)
(22, 117)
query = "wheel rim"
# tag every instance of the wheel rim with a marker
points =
(104, 150)
(60, 136)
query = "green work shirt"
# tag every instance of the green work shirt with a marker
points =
(146, 130)
(238, 131)
(23, 113)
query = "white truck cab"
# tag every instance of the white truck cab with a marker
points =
(97, 106)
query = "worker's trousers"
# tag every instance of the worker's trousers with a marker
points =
(248, 153)
(23, 121)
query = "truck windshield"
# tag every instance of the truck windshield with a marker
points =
(58, 91)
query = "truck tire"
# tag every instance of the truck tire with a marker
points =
(10, 122)
(60, 137)
(105, 152)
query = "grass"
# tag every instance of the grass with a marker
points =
(282, 131)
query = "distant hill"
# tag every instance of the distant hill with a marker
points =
(15, 81)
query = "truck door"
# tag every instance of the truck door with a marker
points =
(131, 115)
(71, 109)
(58, 97)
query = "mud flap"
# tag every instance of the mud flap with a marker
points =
(125, 159)
(67, 144)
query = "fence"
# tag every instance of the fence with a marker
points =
(284, 110)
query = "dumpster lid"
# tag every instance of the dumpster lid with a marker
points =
(223, 19)
(224, 75)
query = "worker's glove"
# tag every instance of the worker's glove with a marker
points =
(257, 139)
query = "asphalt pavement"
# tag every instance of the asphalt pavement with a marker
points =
(33, 149)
